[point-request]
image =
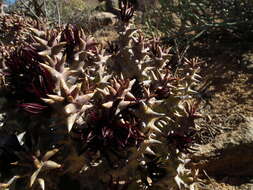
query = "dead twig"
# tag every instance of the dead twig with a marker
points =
(30, 9)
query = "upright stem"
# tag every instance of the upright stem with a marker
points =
(45, 7)
(1, 8)
(58, 12)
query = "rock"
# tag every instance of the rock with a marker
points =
(247, 61)
(176, 22)
(147, 4)
(104, 18)
(230, 154)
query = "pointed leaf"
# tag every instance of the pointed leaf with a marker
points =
(42, 183)
(34, 177)
(71, 120)
(49, 154)
(48, 165)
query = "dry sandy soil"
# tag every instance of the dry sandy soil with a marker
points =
(227, 95)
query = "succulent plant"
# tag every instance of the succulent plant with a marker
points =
(117, 110)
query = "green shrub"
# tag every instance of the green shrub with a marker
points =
(186, 20)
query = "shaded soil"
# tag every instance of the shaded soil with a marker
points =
(227, 97)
